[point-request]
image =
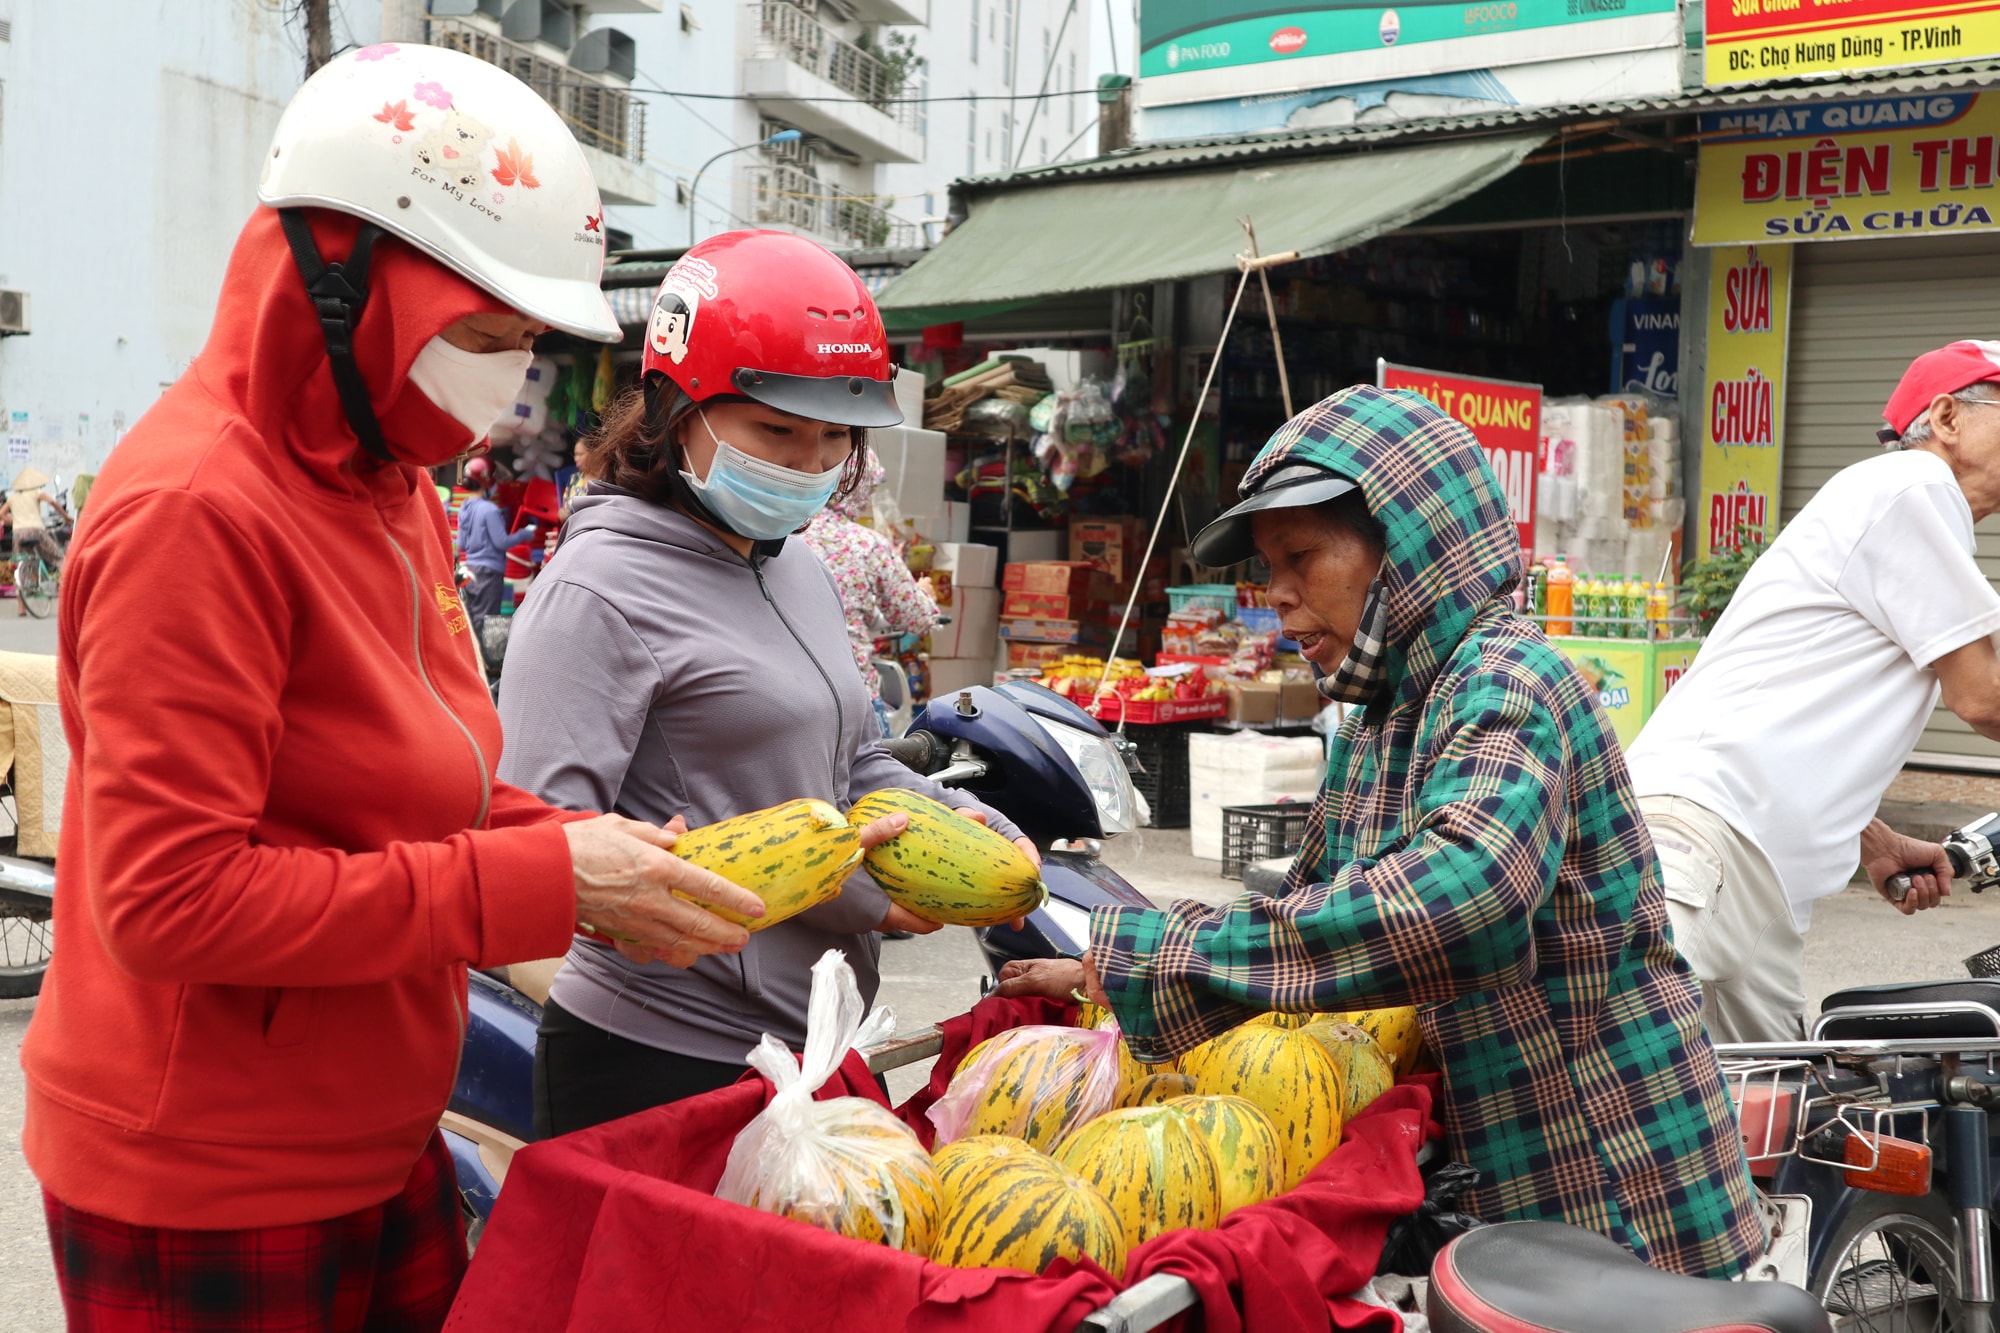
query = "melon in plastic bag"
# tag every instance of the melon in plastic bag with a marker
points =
(846, 1165)
(1038, 1083)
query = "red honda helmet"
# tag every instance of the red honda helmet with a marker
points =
(778, 319)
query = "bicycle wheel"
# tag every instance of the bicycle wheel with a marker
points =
(35, 585)
(27, 942)
(1892, 1266)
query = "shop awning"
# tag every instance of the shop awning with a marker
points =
(1021, 245)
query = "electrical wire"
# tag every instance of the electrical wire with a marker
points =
(1055, 52)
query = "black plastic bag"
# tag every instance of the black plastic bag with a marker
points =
(1413, 1242)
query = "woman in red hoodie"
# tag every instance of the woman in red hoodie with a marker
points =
(283, 841)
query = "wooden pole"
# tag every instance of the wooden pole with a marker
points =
(1277, 339)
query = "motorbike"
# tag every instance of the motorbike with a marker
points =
(1024, 750)
(1877, 1131)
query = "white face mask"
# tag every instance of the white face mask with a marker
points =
(477, 388)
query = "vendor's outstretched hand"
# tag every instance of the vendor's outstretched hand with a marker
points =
(1052, 979)
(628, 887)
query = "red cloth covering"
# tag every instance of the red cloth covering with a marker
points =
(618, 1227)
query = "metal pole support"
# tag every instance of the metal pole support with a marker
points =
(1969, 1183)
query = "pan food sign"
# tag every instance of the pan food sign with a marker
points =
(1849, 170)
(1196, 50)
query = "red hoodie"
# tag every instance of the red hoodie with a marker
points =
(279, 740)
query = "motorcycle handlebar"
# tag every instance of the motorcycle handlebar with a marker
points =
(1961, 868)
(918, 751)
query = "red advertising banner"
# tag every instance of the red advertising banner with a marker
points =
(1504, 415)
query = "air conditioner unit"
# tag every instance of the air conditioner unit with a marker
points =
(13, 312)
(539, 21)
(605, 51)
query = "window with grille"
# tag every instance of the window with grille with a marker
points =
(1007, 44)
(974, 57)
(971, 139)
(1071, 99)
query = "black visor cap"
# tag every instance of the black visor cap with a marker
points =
(1227, 541)
(843, 400)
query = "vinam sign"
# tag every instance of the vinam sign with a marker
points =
(1505, 417)
(1850, 170)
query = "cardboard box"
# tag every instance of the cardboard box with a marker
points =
(1036, 546)
(1064, 578)
(974, 627)
(1050, 606)
(1022, 654)
(914, 462)
(1043, 631)
(970, 565)
(1299, 701)
(949, 675)
(1253, 701)
(1112, 544)
(910, 395)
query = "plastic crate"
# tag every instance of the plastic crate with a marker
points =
(1163, 755)
(1260, 832)
(1221, 596)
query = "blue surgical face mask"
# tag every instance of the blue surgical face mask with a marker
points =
(758, 499)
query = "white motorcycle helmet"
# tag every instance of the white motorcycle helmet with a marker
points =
(460, 159)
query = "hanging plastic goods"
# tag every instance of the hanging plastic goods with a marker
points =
(1036, 1083)
(846, 1165)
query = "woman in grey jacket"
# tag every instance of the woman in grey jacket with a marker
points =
(680, 656)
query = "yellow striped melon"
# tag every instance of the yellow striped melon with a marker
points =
(1394, 1030)
(1365, 1072)
(1091, 1014)
(1283, 1021)
(1022, 1210)
(1291, 1079)
(1154, 1168)
(955, 1161)
(1033, 1083)
(945, 867)
(1249, 1160)
(1156, 1089)
(877, 1183)
(793, 856)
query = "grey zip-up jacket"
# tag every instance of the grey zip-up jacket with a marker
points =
(655, 672)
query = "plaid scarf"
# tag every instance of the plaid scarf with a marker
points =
(1365, 670)
(1476, 851)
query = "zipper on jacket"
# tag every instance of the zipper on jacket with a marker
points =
(839, 714)
(423, 672)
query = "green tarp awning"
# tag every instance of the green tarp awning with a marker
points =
(1020, 245)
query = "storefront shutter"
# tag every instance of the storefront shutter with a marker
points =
(1861, 312)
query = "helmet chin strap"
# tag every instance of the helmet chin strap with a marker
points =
(338, 293)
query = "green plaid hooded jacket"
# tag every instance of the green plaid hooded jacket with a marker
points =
(1476, 851)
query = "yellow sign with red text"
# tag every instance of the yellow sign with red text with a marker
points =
(1850, 169)
(1749, 306)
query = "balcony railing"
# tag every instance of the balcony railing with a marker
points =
(792, 197)
(816, 48)
(601, 115)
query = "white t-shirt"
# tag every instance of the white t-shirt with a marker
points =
(1803, 704)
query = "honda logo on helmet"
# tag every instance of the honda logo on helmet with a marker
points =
(846, 349)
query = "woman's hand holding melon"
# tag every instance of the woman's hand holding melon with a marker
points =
(628, 887)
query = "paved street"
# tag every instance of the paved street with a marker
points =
(1855, 938)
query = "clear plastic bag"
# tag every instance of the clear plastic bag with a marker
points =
(1035, 1083)
(846, 1165)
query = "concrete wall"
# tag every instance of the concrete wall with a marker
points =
(131, 137)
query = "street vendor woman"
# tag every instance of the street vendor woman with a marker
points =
(283, 841)
(1476, 851)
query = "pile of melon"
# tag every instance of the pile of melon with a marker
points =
(1043, 1171)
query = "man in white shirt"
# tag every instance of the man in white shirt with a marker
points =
(1760, 773)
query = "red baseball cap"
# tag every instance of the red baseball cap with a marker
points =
(478, 469)
(1950, 368)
